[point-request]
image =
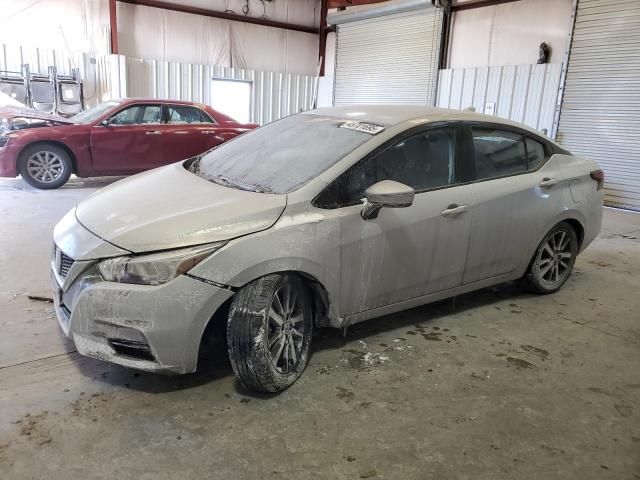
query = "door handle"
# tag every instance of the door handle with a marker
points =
(548, 182)
(454, 210)
(219, 138)
(153, 132)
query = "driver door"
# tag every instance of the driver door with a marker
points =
(405, 252)
(132, 141)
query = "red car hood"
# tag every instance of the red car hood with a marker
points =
(11, 112)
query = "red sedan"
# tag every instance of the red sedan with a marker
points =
(118, 137)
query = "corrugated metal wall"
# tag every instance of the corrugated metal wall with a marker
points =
(600, 115)
(39, 59)
(523, 93)
(274, 95)
(95, 72)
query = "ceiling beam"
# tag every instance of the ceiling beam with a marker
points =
(234, 17)
(458, 6)
(350, 3)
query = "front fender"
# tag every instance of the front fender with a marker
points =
(73, 138)
(308, 243)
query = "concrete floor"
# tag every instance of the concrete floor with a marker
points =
(501, 385)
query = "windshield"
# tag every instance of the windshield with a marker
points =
(92, 114)
(281, 156)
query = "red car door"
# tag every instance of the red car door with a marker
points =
(131, 140)
(190, 132)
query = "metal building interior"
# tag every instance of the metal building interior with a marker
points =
(491, 382)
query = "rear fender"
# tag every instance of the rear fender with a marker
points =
(571, 215)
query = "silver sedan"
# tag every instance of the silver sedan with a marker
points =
(321, 219)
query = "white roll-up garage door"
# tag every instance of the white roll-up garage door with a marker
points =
(600, 116)
(389, 59)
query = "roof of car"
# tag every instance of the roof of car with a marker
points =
(389, 115)
(158, 100)
(219, 116)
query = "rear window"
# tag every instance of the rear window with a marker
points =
(281, 156)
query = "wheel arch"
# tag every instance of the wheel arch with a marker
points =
(573, 218)
(216, 325)
(578, 227)
(57, 143)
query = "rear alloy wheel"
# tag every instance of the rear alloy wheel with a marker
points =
(45, 166)
(554, 260)
(269, 332)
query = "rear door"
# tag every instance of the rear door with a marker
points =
(405, 252)
(517, 190)
(190, 131)
(132, 140)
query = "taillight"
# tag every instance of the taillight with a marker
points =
(598, 176)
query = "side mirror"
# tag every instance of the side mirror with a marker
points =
(386, 194)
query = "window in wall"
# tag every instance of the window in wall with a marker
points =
(499, 153)
(233, 98)
(186, 114)
(138, 115)
(424, 161)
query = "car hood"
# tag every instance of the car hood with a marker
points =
(10, 112)
(170, 207)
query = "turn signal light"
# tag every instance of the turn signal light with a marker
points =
(598, 176)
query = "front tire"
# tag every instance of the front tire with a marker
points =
(269, 332)
(45, 166)
(553, 261)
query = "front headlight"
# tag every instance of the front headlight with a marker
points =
(155, 268)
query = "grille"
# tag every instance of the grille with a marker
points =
(65, 264)
(131, 348)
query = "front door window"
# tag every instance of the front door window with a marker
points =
(138, 115)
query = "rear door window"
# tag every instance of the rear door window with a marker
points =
(185, 114)
(499, 153)
(536, 154)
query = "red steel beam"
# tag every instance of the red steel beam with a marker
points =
(458, 7)
(322, 46)
(351, 3)
(224, 15)
(113, 27)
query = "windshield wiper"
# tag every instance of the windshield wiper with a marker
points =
(225, 182)
(194, 166)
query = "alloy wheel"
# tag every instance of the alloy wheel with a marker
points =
(555, 258)
(45, 167)
(285, 329)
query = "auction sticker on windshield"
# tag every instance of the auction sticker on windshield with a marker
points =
(370, 128)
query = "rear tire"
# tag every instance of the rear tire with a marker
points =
(269, 332)
(45, 166)
(553, 261)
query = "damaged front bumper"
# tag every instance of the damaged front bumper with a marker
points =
(152, 328)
